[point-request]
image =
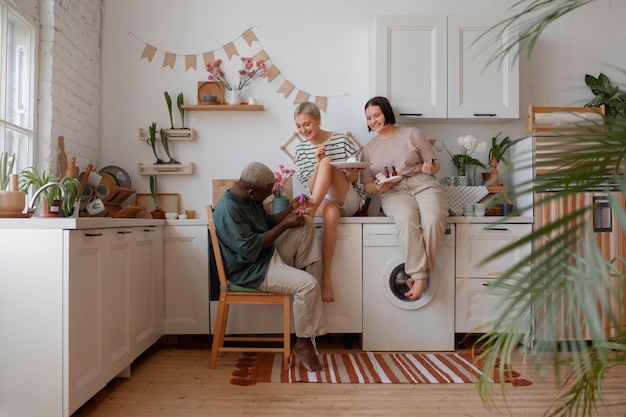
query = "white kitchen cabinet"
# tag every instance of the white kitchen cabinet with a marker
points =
(475, 242)
(186, 279)
(74, 311)
(115, 308)
(428, 67)
(343, 316)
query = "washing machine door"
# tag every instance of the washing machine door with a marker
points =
(394, 283)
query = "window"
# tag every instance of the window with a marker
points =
(17, 85)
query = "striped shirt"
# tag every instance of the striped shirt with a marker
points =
(338, 147)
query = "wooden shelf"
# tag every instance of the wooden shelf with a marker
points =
(223, 107)
(166, 169)
(172, 134)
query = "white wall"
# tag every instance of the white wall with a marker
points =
(322, 48)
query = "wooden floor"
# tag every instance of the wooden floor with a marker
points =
(175, 381)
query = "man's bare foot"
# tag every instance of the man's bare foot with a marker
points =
(417, 288)
(328, 295)
(303, 349)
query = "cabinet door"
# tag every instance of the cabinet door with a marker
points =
(409, 64)
(117, 301)
(146, 288)
(475, 89)
(473, 308)
(87, 272)
(345, 315)
(186, 280)
(476, 242)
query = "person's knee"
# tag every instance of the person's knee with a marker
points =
(331, 214)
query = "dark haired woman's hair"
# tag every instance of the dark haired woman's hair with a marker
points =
(385, 107)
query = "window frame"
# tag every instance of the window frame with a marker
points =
(10, 13)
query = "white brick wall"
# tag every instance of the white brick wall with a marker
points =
(69, 72)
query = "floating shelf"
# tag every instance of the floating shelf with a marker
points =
(223, 107)
(172, 134)
(166, 169)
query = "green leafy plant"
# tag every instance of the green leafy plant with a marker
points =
(166, 146)
(498, 149)
(6, 168)
(154, 192)
(179, 102)
(152, 142)
(168, 100)
(32, 177)
(608, 94)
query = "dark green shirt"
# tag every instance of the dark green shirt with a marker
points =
(240, 225)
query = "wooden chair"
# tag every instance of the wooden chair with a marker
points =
(234, 294)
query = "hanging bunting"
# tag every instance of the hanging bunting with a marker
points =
(190, 62)
(148, 52)
(321, 103)
(169, 60)
(261, 55)
(272, 72)
(286, 88)
(208, 57)
(301, 97)
(249, 36)
(230, 49)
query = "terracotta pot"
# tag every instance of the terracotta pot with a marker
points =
(51, 210)
(12, 202)
(158, 214)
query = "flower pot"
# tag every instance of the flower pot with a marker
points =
(277, 204)
(12, 202)
(158, 214)
(51, 209)
(232, 97)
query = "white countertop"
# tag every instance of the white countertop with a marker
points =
(71, 223)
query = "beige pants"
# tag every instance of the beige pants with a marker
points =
(295, 250)
(418, 206)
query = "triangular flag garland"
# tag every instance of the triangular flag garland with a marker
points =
(230, 49)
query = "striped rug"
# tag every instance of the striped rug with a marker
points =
(367, 368)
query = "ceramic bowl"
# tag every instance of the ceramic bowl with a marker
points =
(209, 99)
(171, 216)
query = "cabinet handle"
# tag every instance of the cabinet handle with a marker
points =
(124, 232)
(411, 114)
(485, 114)
(93, 234)
(485, 283)
(503, 229)
(149, 230)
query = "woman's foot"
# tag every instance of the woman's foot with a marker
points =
(303, 349)
(328, 295)
(417, 288)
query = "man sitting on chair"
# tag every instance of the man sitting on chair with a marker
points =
(271, 252)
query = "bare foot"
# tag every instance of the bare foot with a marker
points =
(417, 287)
(328, 295)
(303, 349)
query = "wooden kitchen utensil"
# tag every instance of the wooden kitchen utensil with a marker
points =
(72, 169)
(62, 155)
(85, 178)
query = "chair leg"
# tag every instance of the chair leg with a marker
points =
(287, 332)
(220, 331)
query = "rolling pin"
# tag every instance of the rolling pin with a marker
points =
(62, 155)
(85, 180)
(72, 169)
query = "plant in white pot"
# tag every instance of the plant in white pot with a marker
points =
(59, 194)
(12, 200)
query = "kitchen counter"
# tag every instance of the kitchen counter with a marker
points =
(71, 223)
(451, 219)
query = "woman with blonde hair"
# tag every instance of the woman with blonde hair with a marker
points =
(334, 192)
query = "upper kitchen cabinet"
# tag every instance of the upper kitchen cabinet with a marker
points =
(429, 67)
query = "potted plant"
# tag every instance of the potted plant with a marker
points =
(497, 155)
(11, 199)
(52, 195)
(609, 95)
(157, 213)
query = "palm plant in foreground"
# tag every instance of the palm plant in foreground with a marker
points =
(565, 289)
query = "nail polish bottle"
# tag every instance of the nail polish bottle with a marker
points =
(386, 172)
(393, 171)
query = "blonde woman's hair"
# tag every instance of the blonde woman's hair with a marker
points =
(309, 108)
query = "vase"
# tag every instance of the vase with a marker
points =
(232, 97)
(468, 171)
(277, 204)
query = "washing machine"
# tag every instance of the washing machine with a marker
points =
(391, 322)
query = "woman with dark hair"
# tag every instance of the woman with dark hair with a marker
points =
(413, 199)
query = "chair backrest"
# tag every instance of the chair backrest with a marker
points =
(217, 252)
